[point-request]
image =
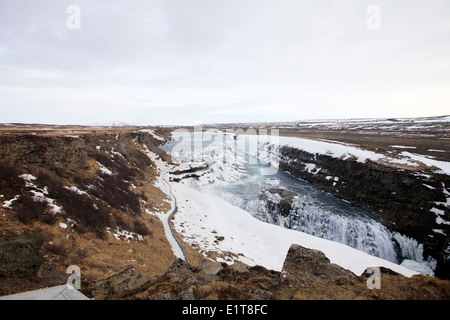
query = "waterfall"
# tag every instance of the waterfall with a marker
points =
(312, 211)
(360, 233)
(308, 216)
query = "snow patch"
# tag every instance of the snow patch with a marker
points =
(310, 167)
(121, 234)
(76, 190)
(41, 197)
(104, 169)
(442, 165)
(403, 147)
(27, 177)
(439, 213)
(152, 133)
(8, 203)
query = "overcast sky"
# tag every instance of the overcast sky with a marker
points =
(210, 61)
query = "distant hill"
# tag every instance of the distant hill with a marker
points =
(111, 124)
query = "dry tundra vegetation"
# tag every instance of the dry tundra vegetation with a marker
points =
(86, 203)
(86, 196)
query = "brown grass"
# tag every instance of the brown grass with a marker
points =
(98, 258)
(392, 288)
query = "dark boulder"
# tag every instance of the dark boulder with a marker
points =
(21, 258)
(307, 268)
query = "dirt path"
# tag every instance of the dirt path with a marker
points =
(170, 233)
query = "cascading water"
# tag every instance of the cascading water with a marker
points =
(282, 199)
(308, 214)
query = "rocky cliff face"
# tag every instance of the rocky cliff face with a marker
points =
(86, 200)
(55, 153)
(401, 199)
(61, 153)
(22, 257)
(278, 200)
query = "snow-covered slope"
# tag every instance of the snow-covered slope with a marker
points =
(163, 169)
(226, 169)
(152, 133)
(347, 151)
(214, 225)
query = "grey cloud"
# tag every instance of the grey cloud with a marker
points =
(155, 57)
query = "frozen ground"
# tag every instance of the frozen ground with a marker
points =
(427, 136)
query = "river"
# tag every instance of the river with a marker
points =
(277, 198)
